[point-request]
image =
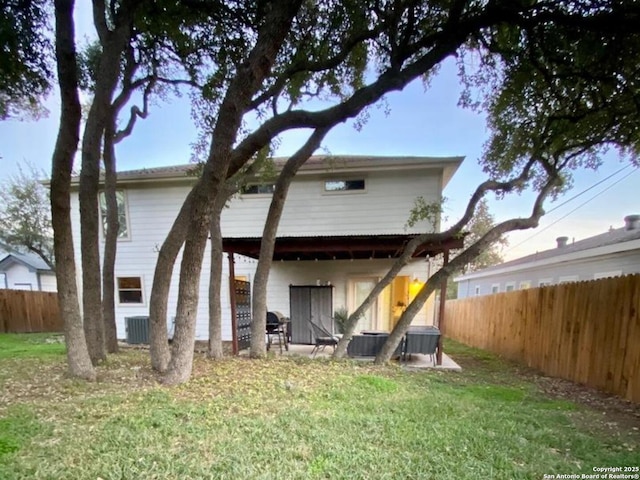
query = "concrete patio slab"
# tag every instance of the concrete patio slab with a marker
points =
(415, 361)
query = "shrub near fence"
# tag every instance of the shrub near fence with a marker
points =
(587, 332)
(24, 311)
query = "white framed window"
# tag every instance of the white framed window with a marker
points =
(130, 291)
(568, 279)
(22, 286)
(258, 189)
(543, 282)
(123, 214)
(509, 286)
(3, 280)
(615, 273)
(524, 284)
(495, 288)
(344, 185)
(476, 290)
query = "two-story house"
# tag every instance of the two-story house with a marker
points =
(343, 224)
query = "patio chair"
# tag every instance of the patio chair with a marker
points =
(323, 338)
(276, 326)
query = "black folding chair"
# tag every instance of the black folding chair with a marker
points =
(323, 338)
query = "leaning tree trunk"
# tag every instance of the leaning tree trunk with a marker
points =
(267, 245)
(350, 327)
(181, 363)
(470, 253)
(110, 241)
(158, 311)
(248, 79)
(215, 350)
(62, 166)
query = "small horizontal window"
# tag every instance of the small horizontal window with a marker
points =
(130, 289)
(258, 188)
(343, 185)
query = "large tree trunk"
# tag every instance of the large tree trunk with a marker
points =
(113, 42)
(181, 363)
(62, 166)
(110, 241)
(89, 225)
(158, 342)
(247, 81)
(267, 245)
(215, 350)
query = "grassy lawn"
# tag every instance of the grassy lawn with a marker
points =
(292, 418)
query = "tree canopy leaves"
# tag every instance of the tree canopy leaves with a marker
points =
(25, 219)
(25, 56)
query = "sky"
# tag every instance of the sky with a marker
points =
(417, 121)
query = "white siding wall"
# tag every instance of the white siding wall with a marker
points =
(151, 213)
(338, 273)
(383, 208)
(48, 282)
(19, 276)
(625, 262)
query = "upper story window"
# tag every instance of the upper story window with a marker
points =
(344, 185)
(121, 201)
(258, 188)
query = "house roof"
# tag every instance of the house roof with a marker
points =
(619, 239)
(316, 164)
(30, 260)
(338, 247)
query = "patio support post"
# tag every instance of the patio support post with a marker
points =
(443, 299)
(232, 301)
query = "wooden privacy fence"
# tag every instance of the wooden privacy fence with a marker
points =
(587, 332)
(23, 311)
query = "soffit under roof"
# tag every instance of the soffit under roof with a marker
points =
(352, 247)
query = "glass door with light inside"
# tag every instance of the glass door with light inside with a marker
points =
(359, 289)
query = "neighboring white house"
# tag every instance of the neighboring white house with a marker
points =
(25, 271)
(610, 254)
(343, 223)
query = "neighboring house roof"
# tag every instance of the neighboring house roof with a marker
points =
(315, 164)
(30, 260)
(615, 240)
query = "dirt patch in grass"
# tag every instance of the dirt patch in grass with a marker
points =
(35, 380)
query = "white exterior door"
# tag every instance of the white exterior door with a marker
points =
(359, 288)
